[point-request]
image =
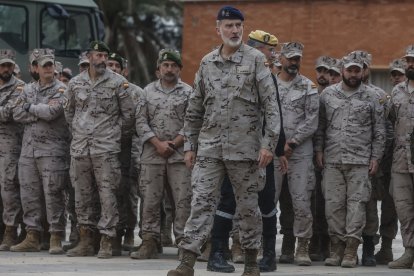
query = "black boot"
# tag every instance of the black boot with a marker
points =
(268, 262)
(217, 262)
(368, 248)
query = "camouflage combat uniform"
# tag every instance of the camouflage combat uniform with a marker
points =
(96, 113)
(300, 106)
(161, 114)
(43, 163)
(223, 124)
(10, 146)
(351, 132)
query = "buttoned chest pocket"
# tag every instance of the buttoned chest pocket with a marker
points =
(297, 101)
(362, 112)
(178, 107)
(82, 99)
(106, 101)
(332, 109)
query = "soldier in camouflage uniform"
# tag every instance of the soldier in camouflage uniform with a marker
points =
(159, 124)
(98, 107)
(319, 244)
(10, 141)
(233, 93)
(43, 163)
(335, 75)
(300, 106)
(127, 206)
(349, 144)
(402, 110)
(397, 71)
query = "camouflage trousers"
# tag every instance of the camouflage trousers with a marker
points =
(347, 189)
(301, 182)
(10, 190)
(96, 177)
(402, 191)
(176, 178)
(207, 177)
(43, 178)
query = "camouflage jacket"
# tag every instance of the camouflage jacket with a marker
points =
(10, 131)
(300, 109)
(45, 130)
(97, 112)
(225, 113)
(161, 114)
(402, 114)
(351, 126)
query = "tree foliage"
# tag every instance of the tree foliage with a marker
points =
(138, 29)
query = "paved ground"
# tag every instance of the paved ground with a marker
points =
(35, 264)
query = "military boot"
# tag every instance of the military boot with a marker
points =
(288, 249)
(147, 249)
(350, 253)
(250, 265)
(236, 250)
(384, 255)
(268, 262)
(368, 249)
(302, 253)
(128, 240)
(56, 243)
(205, 252)
(217, 261)
(405, 261)
(30, 244)
(314, 249)
(337, 252)
(105, 248)
(117, 243)
(85, 246)
(9, 238)
(186, 266)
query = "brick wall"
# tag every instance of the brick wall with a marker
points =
(333, 28)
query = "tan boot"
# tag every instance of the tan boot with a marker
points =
(147, 250)
(128, 240)
(337, 252)
(237, 253)
(186, 267)
(105, 251)
(205, 252)
(350, 253)
(85, 245)
(302, 253)
(56, 243)
(405, 261)
(30, 244)
(9, 238)
(250, 265)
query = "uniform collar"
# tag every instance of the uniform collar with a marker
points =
(237, 57)
(178, 85)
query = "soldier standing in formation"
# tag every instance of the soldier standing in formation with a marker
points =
(223, 130)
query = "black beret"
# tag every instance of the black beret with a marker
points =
(229, 12)
(99, 46)
(118, 58)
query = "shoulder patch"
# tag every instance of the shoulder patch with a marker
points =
(125, 85)
(20, 88)
(61, 90)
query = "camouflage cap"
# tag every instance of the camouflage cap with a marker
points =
(42, 56)
(409, 51)
(117, 58)
(229, 12)
(353, 59)
(336, 65)
(398, 65)
(323, 61)
(99, 46)
(7, 56)
(58, 67)
(366, 57)
(263, 37)
(292, 49)
(169, 54)
(83, 58)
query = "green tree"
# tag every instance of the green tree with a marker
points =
(138, 29)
